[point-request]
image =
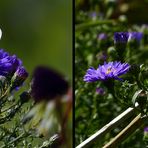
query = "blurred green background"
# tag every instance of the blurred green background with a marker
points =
(38, 32)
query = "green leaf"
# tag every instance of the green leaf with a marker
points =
(136, 95)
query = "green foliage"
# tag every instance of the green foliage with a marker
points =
(93, 110)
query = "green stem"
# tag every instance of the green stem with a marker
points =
(16, 139)
(93, 23)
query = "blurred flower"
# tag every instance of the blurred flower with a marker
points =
(121, 37)
(93, 15)
(47, 84)
(146, 129)
(100, 91)
(107, 71)
(135, 36)
(146, 133)
(102, 36)
(8, 64)
(102, 56)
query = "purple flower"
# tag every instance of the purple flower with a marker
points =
(146, 129)
(102, 36)
(121, 37)
(93, 15)
(47, 84)
(8, 64)
(21, 73)
(107, 71)
(100, 91)
(135, 36)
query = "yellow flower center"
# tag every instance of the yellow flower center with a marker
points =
(109, 70)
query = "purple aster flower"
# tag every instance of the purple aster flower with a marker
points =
(47, 84)
(107, 71)
(8, 64)
(121, 37)
(146, 129)
(102, 36)
(135, 36)
(100, 91)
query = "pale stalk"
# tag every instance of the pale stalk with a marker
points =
(108, 127)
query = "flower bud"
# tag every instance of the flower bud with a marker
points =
(137, 36)
(134, 40)
(102, 36)
(121, 37)
(100, 91)
(19, 77)
(120, 40)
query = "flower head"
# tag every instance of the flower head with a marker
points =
(47, 84)
(21, 72)
(107, 71)
(102, 36)
(8, 64)
(135, 36)
(121, 37)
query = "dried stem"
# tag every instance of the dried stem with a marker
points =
(111, 125)
(126, 132)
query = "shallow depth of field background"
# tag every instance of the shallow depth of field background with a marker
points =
(38, 32)
(93, 111)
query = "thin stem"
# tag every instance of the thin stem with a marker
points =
(16, 139)
(93, 23)
(111, 125)
(126, 132)
(8, 108)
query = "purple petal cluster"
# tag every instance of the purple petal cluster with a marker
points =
(124, 37)
(135, 36)
(21, 72)
(107, 71)
(121, 37)
(8, 64)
